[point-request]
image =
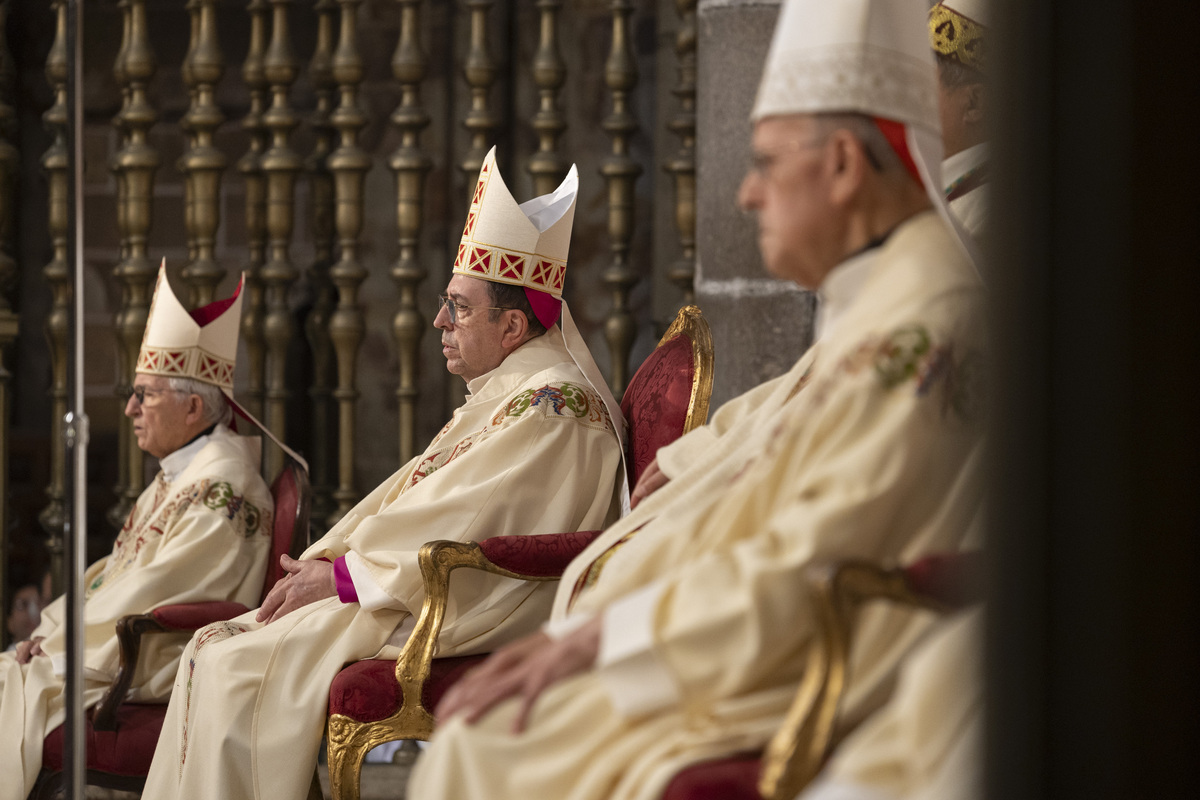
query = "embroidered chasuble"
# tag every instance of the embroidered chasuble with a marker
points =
(868, 447)
(531, 451)
(206, 535)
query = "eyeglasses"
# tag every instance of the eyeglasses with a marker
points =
(454, 308)
(140, 392)
(762, 161)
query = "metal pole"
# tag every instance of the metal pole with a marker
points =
(75, 428)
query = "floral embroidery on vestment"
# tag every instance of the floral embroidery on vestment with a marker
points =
(209, 634)
(140, 528)
(908, 355)
(567, 401)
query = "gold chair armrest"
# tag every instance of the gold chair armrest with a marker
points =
(437, 560)
(798, 750)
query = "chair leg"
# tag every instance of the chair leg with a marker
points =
(346, 749)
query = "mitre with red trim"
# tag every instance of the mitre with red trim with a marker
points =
(199, 344)
(523, 245)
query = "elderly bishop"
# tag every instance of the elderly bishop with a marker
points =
(200, 532)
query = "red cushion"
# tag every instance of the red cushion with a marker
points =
(286, 494)
(952, 579)
(656, 402)
(732, 778)
(194, 616)
(367, 690)
(541, 556)
(125, 751)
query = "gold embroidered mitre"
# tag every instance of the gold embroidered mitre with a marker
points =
(523, 245)
(957, 30)
(200, 344)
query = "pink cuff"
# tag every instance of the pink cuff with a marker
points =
(345, 584)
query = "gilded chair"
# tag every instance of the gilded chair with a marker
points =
(800, 747)
(120, 736)
(376, 701)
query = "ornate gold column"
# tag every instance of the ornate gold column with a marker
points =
(9, 159)
(349, 165)
(410, 165)
(203, 163)
(53, 516)
(280, 164)
(683, 166)
(620, 171)
(322, 434)
(549, 73)
(480, 72)
(250, 166)
(134, 165)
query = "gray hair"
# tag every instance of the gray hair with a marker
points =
(879, 151)
(953, 73)
(217, 410)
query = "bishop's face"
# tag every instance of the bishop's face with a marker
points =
(789, 187)
(160, 417)
(473, 342)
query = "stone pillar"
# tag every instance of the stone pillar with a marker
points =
(760, 325)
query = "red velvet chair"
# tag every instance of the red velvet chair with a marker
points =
(377, 701)
(800, 747)
(120, 736)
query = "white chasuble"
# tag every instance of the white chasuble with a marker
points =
(205, 536)
(531, 451)
(927, 742)
(872, 451)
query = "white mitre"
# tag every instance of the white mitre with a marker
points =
(869, 57)
(200, 344)
(526, 245)
(523, 245)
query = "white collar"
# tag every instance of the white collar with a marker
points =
(174, 463)
(840, 289)
(963, 162)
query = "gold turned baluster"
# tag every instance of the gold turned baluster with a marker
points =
(410, 165)
(316, 326)
(119, 510)
(620, 171)
(480, 72)
(255, 186)
(546, 166)
(202, 164)
(53, 516)
(9, 160)
(134, 164)
(683, 166)
(349, 164)
(280, 165)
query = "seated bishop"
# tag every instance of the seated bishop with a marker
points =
(201, 531)
(680, 634)
(535, 448)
